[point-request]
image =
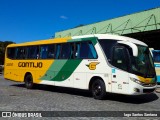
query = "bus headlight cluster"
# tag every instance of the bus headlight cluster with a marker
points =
(136, 81)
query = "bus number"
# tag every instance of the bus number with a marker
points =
(9, 64)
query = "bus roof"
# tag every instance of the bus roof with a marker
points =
(55, 40)
(61, 40)
(112, 37)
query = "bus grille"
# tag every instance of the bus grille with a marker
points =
(149, 85)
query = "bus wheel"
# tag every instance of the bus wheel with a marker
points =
(98, 89)
(29, 81)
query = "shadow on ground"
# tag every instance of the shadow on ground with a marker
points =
(137, 99)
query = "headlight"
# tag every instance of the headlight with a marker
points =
(136, 81)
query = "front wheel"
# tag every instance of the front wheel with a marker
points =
(98, 89)
(29, 81)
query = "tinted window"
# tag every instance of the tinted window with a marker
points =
(11, 53)
(119, 55)
(92, 53)
(58, 50)
(51, 51)
(32, 52)
(80, 50)
(43, 51)
(72, 51)
(77, 53)
(65, 51)
(20, 53)
(85, 50)
(107, 46)
(47, 51)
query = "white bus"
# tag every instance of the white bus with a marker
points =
(101, 63)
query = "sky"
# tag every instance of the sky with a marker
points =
(30, 20)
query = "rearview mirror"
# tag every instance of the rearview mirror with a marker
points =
(132, 45)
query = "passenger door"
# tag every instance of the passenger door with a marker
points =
(120, 61)
(84, 53)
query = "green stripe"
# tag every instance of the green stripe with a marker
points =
(51, 72)
(60, 70)
(67, 70)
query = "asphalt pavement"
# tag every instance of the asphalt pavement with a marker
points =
(15, 97)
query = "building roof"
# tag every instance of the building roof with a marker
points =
(138, 22)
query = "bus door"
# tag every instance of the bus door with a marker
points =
(83, 52)
(120, 76)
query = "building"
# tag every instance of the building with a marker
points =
(144, 26)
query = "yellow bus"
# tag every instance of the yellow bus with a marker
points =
(101, 63)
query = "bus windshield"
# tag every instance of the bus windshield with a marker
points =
(121, 56)
(143, 63)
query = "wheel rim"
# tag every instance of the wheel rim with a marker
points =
(97, 89)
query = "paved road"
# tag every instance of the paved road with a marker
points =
(14, 96)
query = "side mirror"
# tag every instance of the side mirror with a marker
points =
(132, 45)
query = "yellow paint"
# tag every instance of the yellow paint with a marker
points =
(17, 73)
(145, 80)
(14, 72)
(49, 41)
(92, 65)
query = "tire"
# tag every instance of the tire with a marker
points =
(98, 89)
(29, 81)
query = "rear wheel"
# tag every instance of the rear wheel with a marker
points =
(98, 89)
(29, 81)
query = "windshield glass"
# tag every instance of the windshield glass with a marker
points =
(143, 63)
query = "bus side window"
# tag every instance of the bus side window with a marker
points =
(11, 53)
(33, 52)
(72, 51)
(16, 53)
(77, 51)
(66, 51)
(119, 59)
(20, 53)
(51, 51)
(58, 50)
(85, 50)
(24, 52)
(27, 52)
(92, 53)
(43, 51)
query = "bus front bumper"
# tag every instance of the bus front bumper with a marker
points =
(138, 89)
